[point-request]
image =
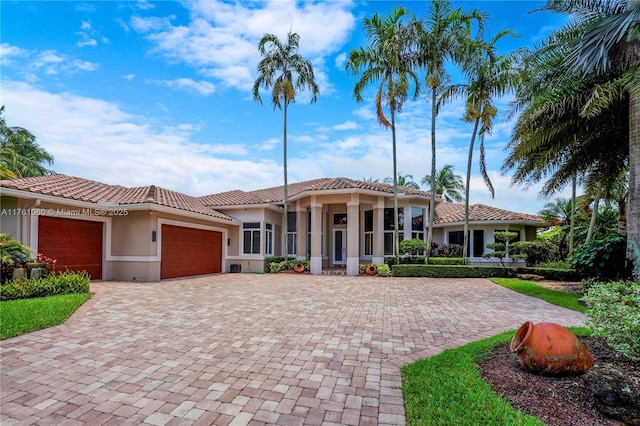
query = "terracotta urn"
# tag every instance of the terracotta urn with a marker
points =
(371, 269)
(550, 349)
(299, 268)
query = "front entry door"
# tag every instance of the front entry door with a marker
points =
(339, 246)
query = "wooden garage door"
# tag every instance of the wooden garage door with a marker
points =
(189, 251)
(77, 244)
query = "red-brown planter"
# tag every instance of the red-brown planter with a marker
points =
(550, 349)
(298, 267)
(371, 269)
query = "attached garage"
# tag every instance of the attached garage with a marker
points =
(189, 251)
(76, 244)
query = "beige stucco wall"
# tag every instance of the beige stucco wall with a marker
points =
(9, 216)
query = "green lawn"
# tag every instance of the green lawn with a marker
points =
(25, 315)
(560, 298)
(447, 389)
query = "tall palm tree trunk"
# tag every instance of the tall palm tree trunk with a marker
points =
(466, 192)
(572, 226)
(594, 217)
(633, 201)
(432, 204)
(395, 187)
(285, 197)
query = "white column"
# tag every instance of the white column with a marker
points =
(353, 235)
(316, 237)
(301, 232)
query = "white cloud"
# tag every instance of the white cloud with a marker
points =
(129, 77)
(221, 38)
(347, 125)
(88, 36)
(341, 59)
(98, 140)
(202, 87)
(49, 62)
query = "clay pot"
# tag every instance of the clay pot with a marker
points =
(371, 269)
(298, 267)
(550, 349)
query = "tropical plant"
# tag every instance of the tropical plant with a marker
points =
(286, 73)
(20, 155)
(387, 62)
(584, 98)
(446, 183)
(489, 76)
(601, 258)
(14, 255)
(405, 180)
(438, 37)
(614, 313)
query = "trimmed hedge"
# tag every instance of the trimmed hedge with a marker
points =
(446, 261)
(452, 271)
(63, 283)
(552, 274)
(475, 271)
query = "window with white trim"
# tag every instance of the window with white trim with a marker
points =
(368, 233)
(251, 238)
(291, 232)
(389, 234)
(268, 239)
(417, 223)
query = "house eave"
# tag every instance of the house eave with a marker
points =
(100, 205)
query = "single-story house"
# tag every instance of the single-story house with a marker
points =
(150, 233)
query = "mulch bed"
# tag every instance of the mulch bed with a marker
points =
(557, 401)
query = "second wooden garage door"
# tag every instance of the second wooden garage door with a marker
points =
(190, 251)
(76, 244)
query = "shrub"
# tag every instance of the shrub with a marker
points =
(362, 268)
(449, 250)
(536, 252)
(383, 270)
(452, 271)
(551, 273)
(404, 260)
(413, 247)
(275, 267)
(614, 313)
(554, 264)
(63, 283)
(14, 255)
(446, 261)
(602, 258)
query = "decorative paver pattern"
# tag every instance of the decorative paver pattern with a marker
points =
(247, 349)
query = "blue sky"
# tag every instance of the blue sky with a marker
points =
(141, 93)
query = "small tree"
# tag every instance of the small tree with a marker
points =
(414, 247)
(501, 247)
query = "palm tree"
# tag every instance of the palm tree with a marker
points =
(490, 75)
(438, 41)
(603, 41)
(386, 61)
(405, 180)
(286, 73)
(446, 183)
(370, 179)
(20, 155)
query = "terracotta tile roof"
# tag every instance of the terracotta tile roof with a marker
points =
(231, 198)
(454, 212)
(79, 189)
(276, 194)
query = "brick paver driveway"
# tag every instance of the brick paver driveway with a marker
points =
(249, 349)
